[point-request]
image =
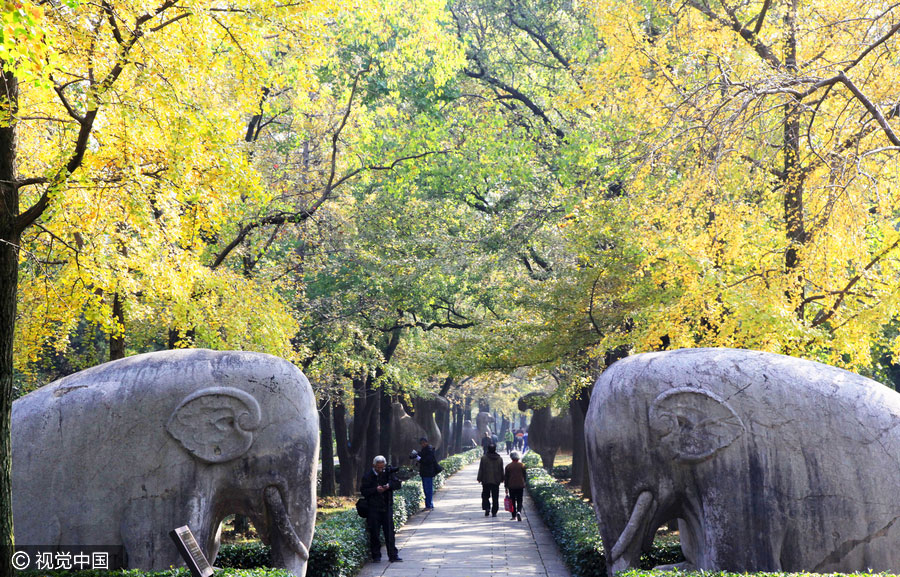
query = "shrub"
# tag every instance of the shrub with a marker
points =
(574, 527)
(243, 555)
(571, 522)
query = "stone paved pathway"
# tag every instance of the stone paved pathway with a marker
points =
(457, 540)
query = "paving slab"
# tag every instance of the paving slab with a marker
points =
(457, 540)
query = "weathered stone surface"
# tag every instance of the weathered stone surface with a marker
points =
(484, 423)
(770, 463)
(547, 434)
(426, 409)
(408, 429)
(470, 436)
(122, 453)
(406, 433)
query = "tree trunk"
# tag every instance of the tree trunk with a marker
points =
(9, 280)
(386, 422)
(327, 452)
(371, 436)
(442, 417)
(116, 338)
(578, 450)
(457, 429)
(345, 455)
(792, 176)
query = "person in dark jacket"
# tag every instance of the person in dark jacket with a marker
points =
(490, 475)
(428, 469)
(514, 481)
(378, 486)
(486, 440)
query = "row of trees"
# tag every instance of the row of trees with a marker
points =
(401, 195)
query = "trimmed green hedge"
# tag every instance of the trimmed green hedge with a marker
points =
(574, 526)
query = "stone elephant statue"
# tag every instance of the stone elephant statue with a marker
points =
(405, 434)
(484, 421)
(426, 407)
(122, 453)
(769, 463)
(547, 434)
(469, 435)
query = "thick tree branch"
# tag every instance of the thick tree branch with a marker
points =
(749, 36)
(517, 95)
(28, 217)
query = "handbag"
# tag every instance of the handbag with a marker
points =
(362, 508)
(507, 504)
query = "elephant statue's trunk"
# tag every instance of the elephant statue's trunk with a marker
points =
(284, 539)
(627, 549)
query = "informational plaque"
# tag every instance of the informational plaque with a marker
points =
(190, 552)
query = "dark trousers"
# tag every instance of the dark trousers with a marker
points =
(489, 491)
(515, 496)
(381, 521)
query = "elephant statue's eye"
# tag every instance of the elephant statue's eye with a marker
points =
(217, 450)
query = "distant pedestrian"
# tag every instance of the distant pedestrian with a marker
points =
(509, 438)
(514, 481)
(520, 439)
(525, 443)
(490, 475)
(428, 469)
(486, 440)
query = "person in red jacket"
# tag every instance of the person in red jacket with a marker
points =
(514, 481)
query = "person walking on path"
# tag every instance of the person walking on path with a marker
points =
(378, 486)
(514, 481)
(486, 441)
(428, 469)
(520, 439)
(525, 443)
(509, 438)
(490, 475)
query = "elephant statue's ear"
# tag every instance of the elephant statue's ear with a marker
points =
(693, 424)
(216, 424)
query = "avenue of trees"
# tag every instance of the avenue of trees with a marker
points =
(477, 198)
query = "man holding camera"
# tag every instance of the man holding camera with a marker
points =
(428, 469)
(378, 486)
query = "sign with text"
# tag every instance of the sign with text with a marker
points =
(190, 552)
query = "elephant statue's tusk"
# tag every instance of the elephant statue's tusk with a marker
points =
(283, 521)
(638, 514)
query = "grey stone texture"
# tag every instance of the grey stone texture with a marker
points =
(770, 463)
(122, 453)
(407, 430)
(484, 423)
(547, 433)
